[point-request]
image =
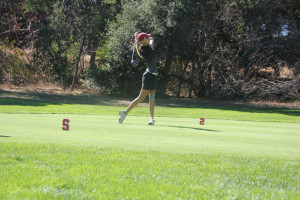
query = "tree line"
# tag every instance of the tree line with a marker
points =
(236, 49)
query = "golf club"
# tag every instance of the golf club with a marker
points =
(133, 62)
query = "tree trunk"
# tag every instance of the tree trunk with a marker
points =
(167, 67)
(77, 63)
(94, 46)
(181, 80)
(201, 87)
(208, 86)
(93, 59)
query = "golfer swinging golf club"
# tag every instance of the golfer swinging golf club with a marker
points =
(145, 49)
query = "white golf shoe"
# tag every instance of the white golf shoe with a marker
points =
(151, 122)
(122, 116)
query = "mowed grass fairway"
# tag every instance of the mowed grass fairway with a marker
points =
(240, 152)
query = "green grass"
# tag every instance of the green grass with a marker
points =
(238, 113)
(240, 152)
(63, 172)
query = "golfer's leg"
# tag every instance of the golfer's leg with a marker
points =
(143, 94)
(152, 103)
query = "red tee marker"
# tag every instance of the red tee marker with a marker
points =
(65, 124)
(202, 120)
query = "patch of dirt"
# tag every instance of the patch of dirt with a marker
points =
(43, 88)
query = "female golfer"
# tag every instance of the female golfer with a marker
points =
(145, 49)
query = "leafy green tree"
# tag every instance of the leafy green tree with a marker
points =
(64, 30)
(15, 32)
(163, 20)
(54, 43)
(13, 23)
(13, 68)
(206, 47)
(209, 48)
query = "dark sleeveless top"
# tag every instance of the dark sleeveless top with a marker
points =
(149, 56)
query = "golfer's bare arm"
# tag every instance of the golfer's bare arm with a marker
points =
(151, 42)
(138, 47)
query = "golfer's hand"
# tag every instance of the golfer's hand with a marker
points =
(151, 42)
(136, 34)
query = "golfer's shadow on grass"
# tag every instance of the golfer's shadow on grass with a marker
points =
(185, 127)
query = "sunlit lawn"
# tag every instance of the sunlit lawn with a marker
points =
(240, 152)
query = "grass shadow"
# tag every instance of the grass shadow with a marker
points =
(44, 99)
(206, 104)
(193, 128)
(10, 101)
